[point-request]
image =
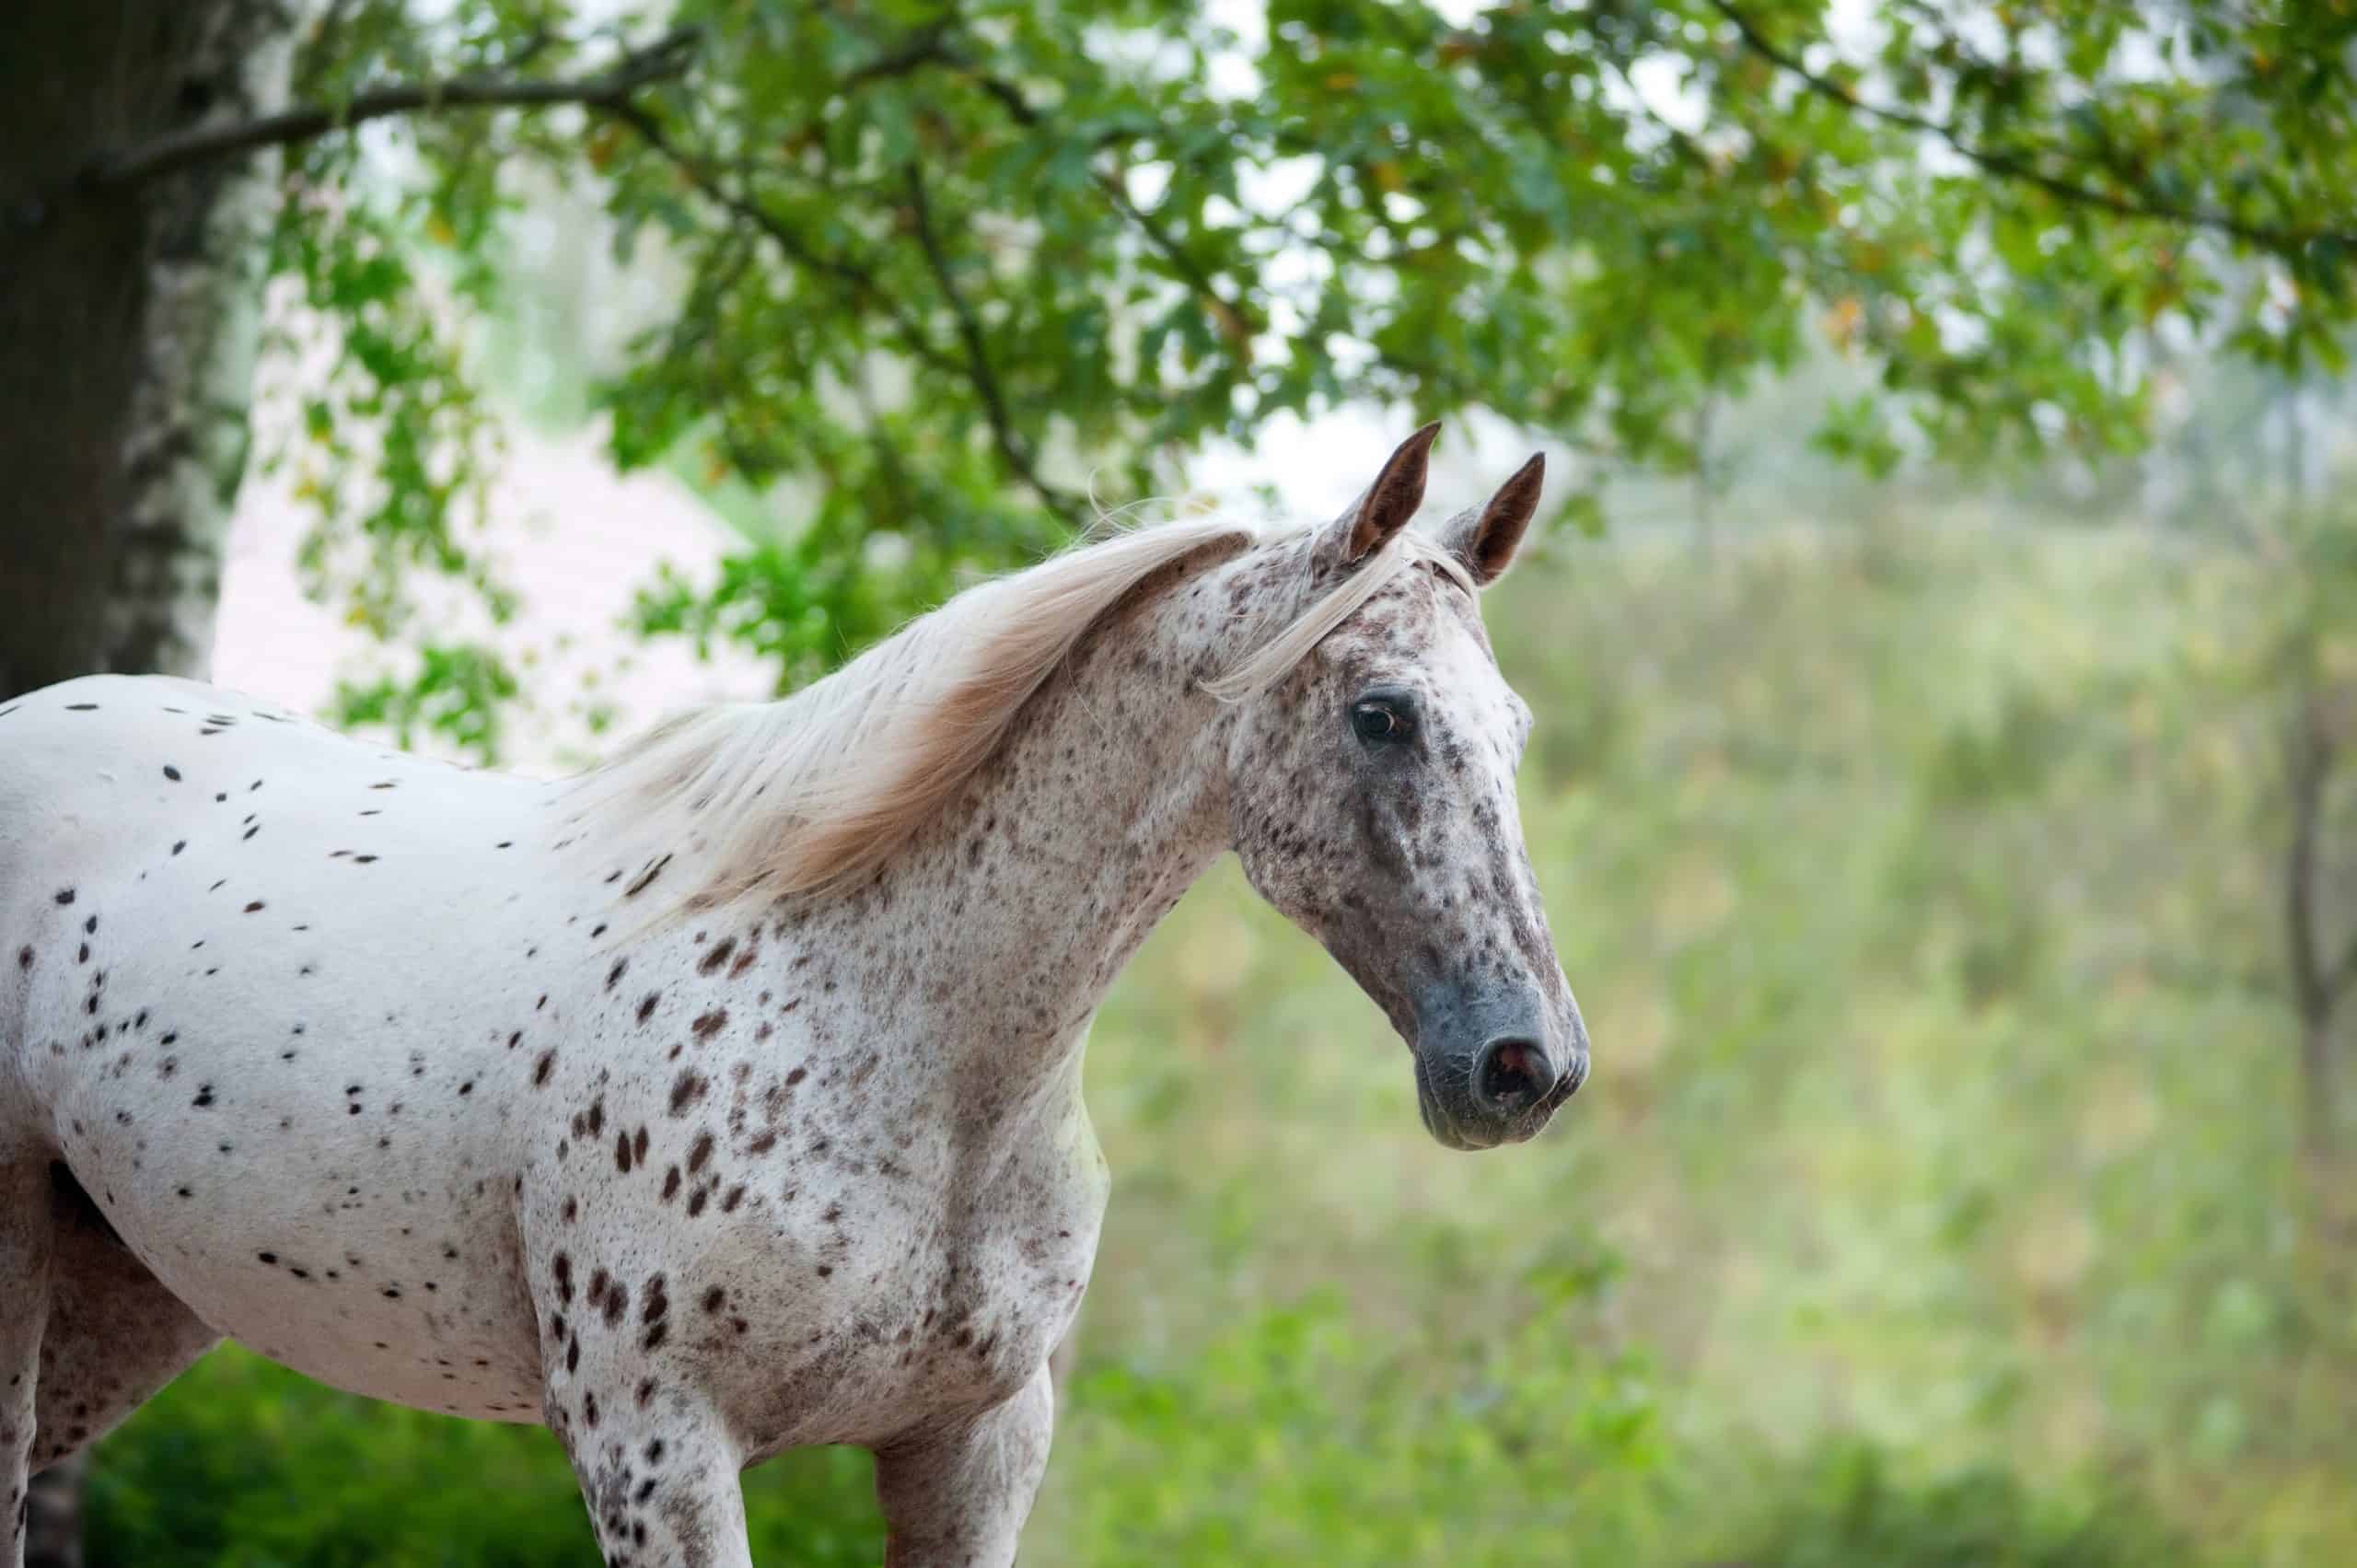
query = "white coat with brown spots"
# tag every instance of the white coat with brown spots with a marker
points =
(502, 1098)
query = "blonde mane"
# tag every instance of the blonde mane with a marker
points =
(803, 795)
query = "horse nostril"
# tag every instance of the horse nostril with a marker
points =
(1513, 1075)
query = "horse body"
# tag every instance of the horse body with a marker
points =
(223, 1020)
(356, 1173)
(530, 1102)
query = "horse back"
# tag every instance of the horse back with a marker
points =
(168, 843)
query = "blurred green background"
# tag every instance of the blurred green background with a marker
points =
(1943, 639)
(1936, 1198)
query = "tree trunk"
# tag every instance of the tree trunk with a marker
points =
(128, 325)
(2317, 1088)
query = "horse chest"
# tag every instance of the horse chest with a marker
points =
(853, 1310)
(910, 1336)
(757, 1191)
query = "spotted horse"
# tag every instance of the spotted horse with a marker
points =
(728, 1098)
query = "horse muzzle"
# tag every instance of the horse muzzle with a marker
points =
(1490, 1070)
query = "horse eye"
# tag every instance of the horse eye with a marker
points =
(1379, 723)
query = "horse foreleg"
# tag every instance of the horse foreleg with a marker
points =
(115, 1337)
(26, 1242)
(958, 1499)
(656, 1468)
(662, 1494)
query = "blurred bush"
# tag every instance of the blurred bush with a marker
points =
(1303, 1433)
(1844, 1507)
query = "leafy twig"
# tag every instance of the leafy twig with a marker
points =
(1198, 281)
(2010, 166)
(863, 285)
(1010, 444)
(932, 47)
(857, 279)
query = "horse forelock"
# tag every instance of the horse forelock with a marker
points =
(807, 794)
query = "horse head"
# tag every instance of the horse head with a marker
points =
(1371, 791)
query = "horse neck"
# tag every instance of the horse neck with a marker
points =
(1018, 907)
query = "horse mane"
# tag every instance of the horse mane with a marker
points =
(805, 794)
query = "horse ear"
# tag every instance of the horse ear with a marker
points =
(1484, 540)
(1384, 508)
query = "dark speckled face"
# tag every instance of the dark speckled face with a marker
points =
(1373, 799)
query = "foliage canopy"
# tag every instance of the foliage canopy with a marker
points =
(953, 268)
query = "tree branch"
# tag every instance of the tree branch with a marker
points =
(1011, 444)
(667, 57)
(611, 93)
(2020, 170)
(923, 47)
(930, 45)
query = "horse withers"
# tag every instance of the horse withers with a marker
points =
(727, 1098)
